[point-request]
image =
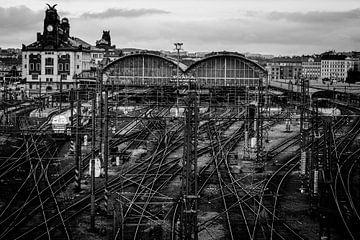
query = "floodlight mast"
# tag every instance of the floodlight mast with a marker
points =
(177, 48)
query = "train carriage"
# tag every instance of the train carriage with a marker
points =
(61, 123)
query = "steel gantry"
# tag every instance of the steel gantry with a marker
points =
(304, 132)
(189, 229)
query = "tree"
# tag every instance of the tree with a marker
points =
(352, 76)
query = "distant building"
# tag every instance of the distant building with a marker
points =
(104, 52)
(311, 69)
(336, 67)
(10, 57)
(53, 61)
(97, 56)
(105, 41)
(9, 74)
(284, 70)
(175, 54)
(127, 51)
(257, 55)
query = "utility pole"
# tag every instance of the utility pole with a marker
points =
(78, 145)
(72, 129)
(304, 132)
(325, 180)
(101, 144)
(60, 92)
(267, 96)
(4, 92)
(40, 102)
(314, 164)
(189, 230)
(106, 153)
(247, 124)
(92, 170)
(259, 126)
(290, 102)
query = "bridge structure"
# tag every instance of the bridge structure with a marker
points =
(317, 89)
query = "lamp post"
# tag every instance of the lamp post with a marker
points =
(178, 48)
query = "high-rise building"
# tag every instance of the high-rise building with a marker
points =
(53, 61)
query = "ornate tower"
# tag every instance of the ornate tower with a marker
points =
(51, 27)
(105, 41)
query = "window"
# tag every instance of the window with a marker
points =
(34, 76)
(60, 67)
(31, 67)
(66, 67)
(63, 76)
(49, 70)
(25, 56)
(30, 86)
(77, 66)
(38, 67)
(25, 66)
(78, 56)
(49, 61)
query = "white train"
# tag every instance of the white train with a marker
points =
(61, 123)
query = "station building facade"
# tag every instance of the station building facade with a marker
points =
(54, 59)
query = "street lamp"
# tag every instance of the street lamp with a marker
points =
(178, 48)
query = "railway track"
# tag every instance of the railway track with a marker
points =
(55, 187)
(346, 159)
(140, 186)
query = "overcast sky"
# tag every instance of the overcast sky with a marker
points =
(279, 27)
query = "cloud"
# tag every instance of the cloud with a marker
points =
(245, 34)
(319, 17)
(126, 13)
(277, 32)
(19, 18)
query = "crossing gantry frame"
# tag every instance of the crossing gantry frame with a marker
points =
(189, 228)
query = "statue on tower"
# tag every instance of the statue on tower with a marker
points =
(105, 41)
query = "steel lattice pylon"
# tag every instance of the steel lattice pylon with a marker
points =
(188, 219)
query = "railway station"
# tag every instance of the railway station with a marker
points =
(147, 147)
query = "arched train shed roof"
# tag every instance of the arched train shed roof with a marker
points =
(147, 68)
(182, 67)
(235, 55)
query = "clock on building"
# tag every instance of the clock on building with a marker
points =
(50, 28)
